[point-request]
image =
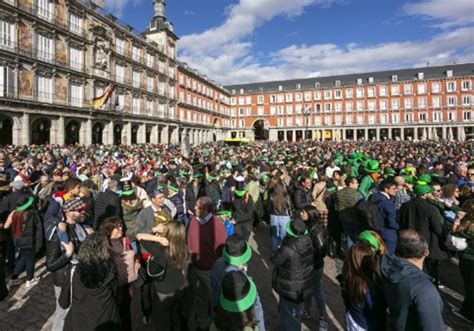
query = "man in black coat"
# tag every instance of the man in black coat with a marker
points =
(420, 215)
(107, 204)
(302, 194)
(293, 273)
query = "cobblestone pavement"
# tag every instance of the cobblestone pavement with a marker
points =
(32, 309)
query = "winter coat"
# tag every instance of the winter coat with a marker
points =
(130, 212)
(413, 301)
(318, 196)
(213, 191)
(388, 212)
(93, 306)
(178, 202)
(107, 204)
(242, 211)
(301, 198)
(293, 268)
(191, 197)
(31, 226)
(418, 214)
(366, 185)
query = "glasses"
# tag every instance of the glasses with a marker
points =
(471, 174)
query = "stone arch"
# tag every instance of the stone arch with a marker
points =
(41, 131)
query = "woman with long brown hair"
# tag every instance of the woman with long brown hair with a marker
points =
(166, 271)
(364, 300)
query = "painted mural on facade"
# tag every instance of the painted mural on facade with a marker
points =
(61, 89)
(26, 81)
(61, 52)
(25, 38)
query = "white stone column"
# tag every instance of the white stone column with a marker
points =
(17, 138)
(415, 133)
(60, 132)
(174, 139)
(377, 134)
(344, 134)
(141, 134)
(154, 134)
(196, 137)
(429, 132)
(82, 133)
(273, 135)
(402, 133)
(108, 133)
(443, 132)
(389, 133)
(127, 133)
(164, 135)
(88, 132)
(366, 134)
(355, 134)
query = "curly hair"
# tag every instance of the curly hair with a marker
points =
(94, 249)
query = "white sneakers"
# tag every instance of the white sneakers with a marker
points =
(32, 282)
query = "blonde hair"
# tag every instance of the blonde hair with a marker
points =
(177, 249)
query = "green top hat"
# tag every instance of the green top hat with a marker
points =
(240, 305)
(127, 193)
(390, 171)
(211, 177)
(173, 188)
(422, 189)
(225, 213)
(370, 238)
(237, 260)
(225, 170)
(26, 205)
(424, 179)
(240, 193)
(372, 166)
(290, 232)
(183, 173)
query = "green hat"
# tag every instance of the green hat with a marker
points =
(353, 156)
(389, 171)
(158, 174)
(290, 232)
(173, 188)
(372, 166)
(27, 204)
(240, 305)
(237, 260)
(183, 173)
(240, 193)
(424, 179)
(225, 213)
(331, 189)
(370, 238)
(127, 193)
(408, 179)
(225, 170)
(422, 189)
(211, 177)
(159, 187)
(198, 175)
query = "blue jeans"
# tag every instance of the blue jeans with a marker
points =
(26, 262)
(317, 293)
(278, 224)
(290, 315)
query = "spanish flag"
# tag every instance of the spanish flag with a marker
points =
(99, 101)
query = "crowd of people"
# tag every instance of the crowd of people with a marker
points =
(145, 237)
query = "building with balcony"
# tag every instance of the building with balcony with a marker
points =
(419, 103)
(57, 56)
(203, 105)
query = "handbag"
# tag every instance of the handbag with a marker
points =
(160, 276)
(455, 243)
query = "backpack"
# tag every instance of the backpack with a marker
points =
(368, 215)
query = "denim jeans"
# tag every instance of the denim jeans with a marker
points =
(290, 315)
(317, 293)
(278, 224)
(26, 262)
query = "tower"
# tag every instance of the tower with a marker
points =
(159, 8)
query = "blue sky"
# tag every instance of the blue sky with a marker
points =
(240, 41)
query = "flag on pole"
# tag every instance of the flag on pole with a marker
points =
(99, 101)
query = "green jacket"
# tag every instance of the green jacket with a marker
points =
(468, 253)
(366, 185)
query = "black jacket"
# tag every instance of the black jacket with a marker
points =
(418, 214)
(413, 301)
(242, 211)
(301, 198)
(32, 231)
(190, 196)
(11, 201)
(293, 268)
(93, 305)
(107, 204)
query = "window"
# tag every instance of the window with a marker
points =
(349, 106)
(327, 107)
(299, 108)
(349, 93)
(370, 80)
(136, 105)
(435, 87)
(298, 97)
(233, 101)
(272, 110)
(408, 117)
(360, 119)
(371, 119)
(360, 93)
(45, 10)
(422, 117)
(135, 78)
(408, 103)
(383, 119)
(451, 116)
(452, 101)
(44, 48)
(327, 120)
(76, 94)
(119, 45)
(395, 118)
(466, 115)
(149, 63)
(260, 99)
(273, 99)
(395, 103)
(421, 102)
(317, 95)
(120, 101)
(407, 89)
(383, 104)
(149, 106)
(75, 23)
(289, 121)
(289, 97)
(337, 94)
(241, 111)
(44, 89)
(451, 87)
(349, 119)
(317, 107)
(421, 89)
(279, 110)
(75, 58)
(420, 75)
(280, 98)
(371, 105)
(449, 73)
(436, 101)
(338, 106)
(307, 96)
(360, 105)
(436, 117)
(248, 100)
(383, 91)
(371, 92)
(6, 81)
(289, 109)
(119, 73)
(394, 78)
(327, 95)
(281, 122)
(395, 90)
(149, 83)
(359, 81)
(337, 83)
(299, 121)
(466, 100)
(161, 91)
(6, 35)
(260, 111)
(316, 84)
(466, 85)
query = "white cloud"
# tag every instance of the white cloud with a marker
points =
(447, 13)
(117, 7)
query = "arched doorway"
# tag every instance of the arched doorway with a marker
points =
(72, 133)
(134, 134)
(117, 134)
(6, 131)
(260, 132)
(97, 131)
(40, 131)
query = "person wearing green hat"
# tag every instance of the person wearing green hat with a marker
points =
(27, 231)
(242, 211)
(420, 215)
(193, 191)
(235, 257)
(213, 189)
(369, 181)
(293, 269)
